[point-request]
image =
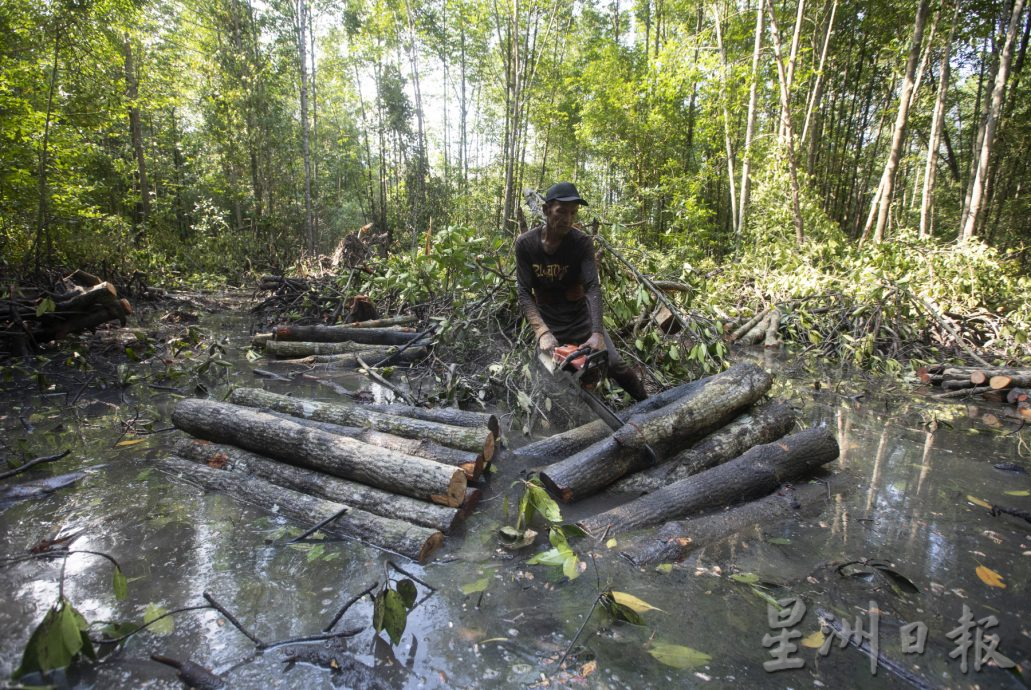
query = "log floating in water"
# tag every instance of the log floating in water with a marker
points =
(675, 540)
(222, 456)
(705, 408)
(470, 463)
(335, 334)
(411, 541)
(344, 457)
(576, 439)
(295, 349)
(755, 473)
(353, 360)
(346, 414)
(762, 424)
(383, 323)
(444, 415)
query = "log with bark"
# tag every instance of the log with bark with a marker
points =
(748, 325)
(81, 302)
(479, 440)
(353, 360)
(772, 335)
(411, 541)
(336, 334)
(762, 424)
(1005, 381)
(471, 463)
(295, 349)
(755, 473)
(675, 540)
(444, 415)
(758, 331)
(383, 323)
(221, 456)
(665, 430)
(288, 441)
(576, 439)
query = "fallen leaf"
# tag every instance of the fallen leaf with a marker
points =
(1022, 492)
(589, 668)
(633, 603)
(990, 577)
(129, 442)
(678, 656)
(814, 641)
(664, 568)
(610, 544)
(978, 502)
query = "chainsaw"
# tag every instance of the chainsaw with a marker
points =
(580, 368)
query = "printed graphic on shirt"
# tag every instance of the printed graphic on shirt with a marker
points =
(550, 271)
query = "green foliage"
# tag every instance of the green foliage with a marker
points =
(391, 606)
(59, 640)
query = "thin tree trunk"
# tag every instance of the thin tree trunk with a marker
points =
(301, 8)
(43, 207)
(817, 94)
(977, 184)
(746, 161)
(726, 124)
(792, 58)
(887, 185)
(142, 210)
(934, 140)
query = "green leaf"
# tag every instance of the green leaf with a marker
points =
(624, 613)
(163, 626)
(664, 568)
(633, 602)
(678, 656)
(544, 504)
(549, 557)
(55, 642)
(477, 585)
(119, 584)
(45, 306)
(395, 615)
(571, 567)
(778, 540)
(409, 593)
(745, 578)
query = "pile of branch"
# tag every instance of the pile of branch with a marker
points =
(999, 385)
(715, 442)
(78, 302)
(394, 477)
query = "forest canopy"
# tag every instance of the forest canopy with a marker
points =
(209, 136)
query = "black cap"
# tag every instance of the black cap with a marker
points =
(564, 191)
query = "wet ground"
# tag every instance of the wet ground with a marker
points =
(910, 524)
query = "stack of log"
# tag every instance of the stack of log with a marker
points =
(763, 328)
(392, 476)
(1012, 386)
(79, 301)
(375, 342)
(716, 442)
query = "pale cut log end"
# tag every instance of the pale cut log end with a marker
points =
(924, 374)
(126, 307)
(978, 378)
(434, 542)
(998, 383)
(488, 447)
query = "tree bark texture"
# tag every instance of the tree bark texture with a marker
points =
(576, 439)
(762, 424)
(221, 456)
(666, 430)
(675, 540)
(316, 449)
(755, 473)
(411, 541)
(444, 415)
(464, 438)
(293, 349)
(380, 356)
(336, 334)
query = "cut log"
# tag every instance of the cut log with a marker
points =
(1016, 395)
(675, 540)
(666, 429)
(225, 457)
(383, 323)
(961, 391)
(762, 424)
(574, 440)
(350, 360)
(978, 377)
(466, 438)
(315, 449)
(737, 387)
(758, 331)
(258, 340)
(1004, 381)
(444, 415)
(772, 339)
(470, 463)
(103, 293)
(956, 384)
(295, 349)
(336, 334)
(411, 541)
(755, 473)
(749, 325)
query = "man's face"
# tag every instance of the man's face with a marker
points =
(561, 214)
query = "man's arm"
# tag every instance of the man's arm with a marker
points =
(527, 304)
(592, 288)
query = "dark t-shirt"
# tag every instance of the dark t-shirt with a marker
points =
(565, 283)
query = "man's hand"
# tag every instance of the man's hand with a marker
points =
(547, 342)
(595, 342)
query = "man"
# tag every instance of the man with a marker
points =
(558, 289)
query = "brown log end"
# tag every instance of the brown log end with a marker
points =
(281, 333)
(471, 500)
(455, 490)
(978, 377)
(998, 383)
(435, 541)
(494, 426)
(1016, 395)
(924, 375)
(488, 448)
(564, 493)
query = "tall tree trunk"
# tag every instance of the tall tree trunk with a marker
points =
(726, 124)
(792, 57)
(301, 17)
(887, 185)
(746, 161)
(977, 184)
(789, 137)
(817, 93)
(934, 140)
(142, 206)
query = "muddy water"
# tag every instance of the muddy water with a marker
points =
(907, 470)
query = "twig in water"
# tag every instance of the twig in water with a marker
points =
(372, 374)
(33, 463)
(312, 638)
(350, 602)
(307, 533)
(232, 619)
(572, 643)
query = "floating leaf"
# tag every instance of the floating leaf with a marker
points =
(56, 641)
(129, 442)
(1022, 492)
(678, 656)
(544, 504)
(477, 586)
(119, 584)
(161, 627)
(745, 578)
(978, 502)
(778, 540)
(549, 557)
(395, 615)
(633, 602)
(814, 641)
(990, 577)
(571, 567)
(512, 538)
(409, 593)
(664, 568)
(611, 543)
